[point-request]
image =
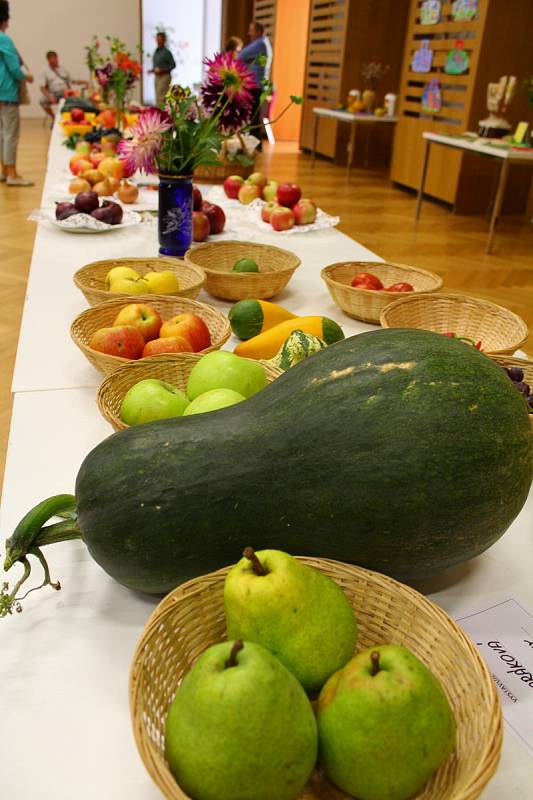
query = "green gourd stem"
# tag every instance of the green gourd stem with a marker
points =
(232, 660)
(257, 567)
(374, 657)
(27, 539)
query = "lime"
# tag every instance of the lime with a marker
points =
(245, 265)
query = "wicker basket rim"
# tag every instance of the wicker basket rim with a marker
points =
(460, 298)
(325, 275)
(81, 273)
(490, 754)
(141, 298)
(190, 254)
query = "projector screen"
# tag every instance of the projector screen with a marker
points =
(193, 29)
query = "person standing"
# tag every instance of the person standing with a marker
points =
(11, 76)
(163, 63)
(259, 47)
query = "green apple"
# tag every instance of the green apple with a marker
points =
(299, 613)
(384, 725)
(245, 265)
(152, 399)
(213, 400)
(240, 727)
(270, 191)
(223, 370)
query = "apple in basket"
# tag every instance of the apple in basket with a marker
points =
(124, 341)
(167, 344)
(232, 186)
(191, 327)
(282, 219)
(141, 316)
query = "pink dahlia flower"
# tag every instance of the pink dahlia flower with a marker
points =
(226, 90)
(141, 150)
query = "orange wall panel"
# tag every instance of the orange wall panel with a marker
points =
(288, 74)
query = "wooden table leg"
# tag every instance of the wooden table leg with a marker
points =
(315, 138)
(502, 180)
(351, 151)
(422, 179)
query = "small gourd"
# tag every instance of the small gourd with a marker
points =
(295, 348)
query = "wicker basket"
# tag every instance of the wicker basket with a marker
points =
(524, 364)
(173, 368)
(217, 259)
(191, 618)
(498, 329)
(91, 278)
(219, 172)
(367, 304)
(103, 315)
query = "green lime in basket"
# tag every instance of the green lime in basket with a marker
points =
(245, 265)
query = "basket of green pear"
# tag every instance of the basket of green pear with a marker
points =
(283, 678)
(241, 270)
(179, 385)
(103, 280)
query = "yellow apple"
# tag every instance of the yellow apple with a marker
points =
(120, 272)
(164, 282)
(111, 167)
(129, 286)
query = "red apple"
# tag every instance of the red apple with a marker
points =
(76, 115)
(127, 168)
(248, 192)
(79, 163)
(200, 226)
(141, 316)
(282, 219)
(215, 215)
(190, 326)
(289, 194)
(196, 198)
(400, 287)
(232, 186)
(167, 344)
(125, 341)
(369, 278)
(304, 212)
(266, 211)
(95, 158)
(257, 179)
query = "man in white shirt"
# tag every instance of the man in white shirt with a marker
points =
(55, 82)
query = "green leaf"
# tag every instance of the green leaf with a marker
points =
(296, 99)
(245, 161)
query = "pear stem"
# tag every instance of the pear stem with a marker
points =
(232, 660)
(258, 568)
(374, 657)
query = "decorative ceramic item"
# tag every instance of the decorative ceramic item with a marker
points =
(464, 10)
(457, 60)
(432, 97)
(369, 100)
(430, 12)
(422, 58)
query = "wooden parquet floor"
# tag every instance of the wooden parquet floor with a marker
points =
(372, 212)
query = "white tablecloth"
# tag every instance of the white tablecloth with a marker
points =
(64, 661)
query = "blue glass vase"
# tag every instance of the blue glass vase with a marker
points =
(175, 214)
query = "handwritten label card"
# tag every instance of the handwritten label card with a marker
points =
(504, 635)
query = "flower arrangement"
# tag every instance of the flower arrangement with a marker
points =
(115, 72)
(373, 73)
(191, 129)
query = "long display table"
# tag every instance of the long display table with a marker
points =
(64, 661)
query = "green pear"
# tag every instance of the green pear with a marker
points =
(297, 612)
(240, 727)
(384, 725)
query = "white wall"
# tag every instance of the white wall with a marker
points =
(67, 26)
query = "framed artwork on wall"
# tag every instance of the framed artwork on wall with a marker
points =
(430, 12)
(457, 60)
(432, 97)
(422, 58)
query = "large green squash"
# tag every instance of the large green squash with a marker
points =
(399, 450)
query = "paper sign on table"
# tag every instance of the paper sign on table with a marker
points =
(504, 635)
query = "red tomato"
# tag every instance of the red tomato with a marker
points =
(400, 287)
(367, 278)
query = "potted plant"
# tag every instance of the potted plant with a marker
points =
(372, 74)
